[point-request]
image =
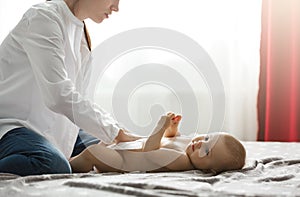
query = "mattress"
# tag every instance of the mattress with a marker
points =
(272, 169)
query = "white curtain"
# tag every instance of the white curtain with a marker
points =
(229, 31)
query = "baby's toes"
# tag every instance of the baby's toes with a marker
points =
(176, 119)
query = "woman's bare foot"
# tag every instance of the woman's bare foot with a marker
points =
(172, 131)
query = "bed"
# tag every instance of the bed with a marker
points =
(272, 169)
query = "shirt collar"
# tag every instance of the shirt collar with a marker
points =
(69, 14)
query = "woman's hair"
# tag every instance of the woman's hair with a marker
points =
(87, 36)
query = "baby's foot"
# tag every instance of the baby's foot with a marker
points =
(173, 128)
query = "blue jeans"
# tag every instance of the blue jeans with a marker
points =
(24, 152)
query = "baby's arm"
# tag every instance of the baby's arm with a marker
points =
(169, 160)
(153, 141)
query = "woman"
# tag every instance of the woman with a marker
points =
(44, 71)
(165, 150)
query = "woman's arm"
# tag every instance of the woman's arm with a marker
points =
(46, 51)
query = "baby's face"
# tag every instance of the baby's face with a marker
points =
(207, 152)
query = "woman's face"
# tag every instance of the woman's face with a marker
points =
(101, 9)
(207, 152)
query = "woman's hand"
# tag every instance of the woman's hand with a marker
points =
(125, 136)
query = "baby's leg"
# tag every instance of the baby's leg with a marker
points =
(172, 130)
(99, 156)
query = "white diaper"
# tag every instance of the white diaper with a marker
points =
(133, 145)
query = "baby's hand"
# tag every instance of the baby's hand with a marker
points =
(164, 121)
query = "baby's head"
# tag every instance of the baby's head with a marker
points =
(216, 152)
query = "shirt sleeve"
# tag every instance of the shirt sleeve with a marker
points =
(43, 42)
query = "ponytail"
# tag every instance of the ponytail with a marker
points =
(87, 36)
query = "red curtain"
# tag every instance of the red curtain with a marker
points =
(279, 83)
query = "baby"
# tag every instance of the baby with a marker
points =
(164, 150)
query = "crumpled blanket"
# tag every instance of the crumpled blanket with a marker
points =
(272, 169)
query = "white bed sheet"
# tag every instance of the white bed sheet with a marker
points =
(272, 169)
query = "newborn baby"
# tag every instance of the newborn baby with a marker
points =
(164, 150)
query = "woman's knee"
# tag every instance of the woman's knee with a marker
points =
(51, 163)
(34, 163)
(23, 148)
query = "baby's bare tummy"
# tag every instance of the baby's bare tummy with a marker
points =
(177, 143)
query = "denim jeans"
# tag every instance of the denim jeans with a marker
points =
(83, 140)
(24, 152)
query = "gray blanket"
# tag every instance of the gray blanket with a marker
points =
(272, 169)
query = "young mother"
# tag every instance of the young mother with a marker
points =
(44, 71)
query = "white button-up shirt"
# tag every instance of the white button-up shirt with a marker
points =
(44, 72)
